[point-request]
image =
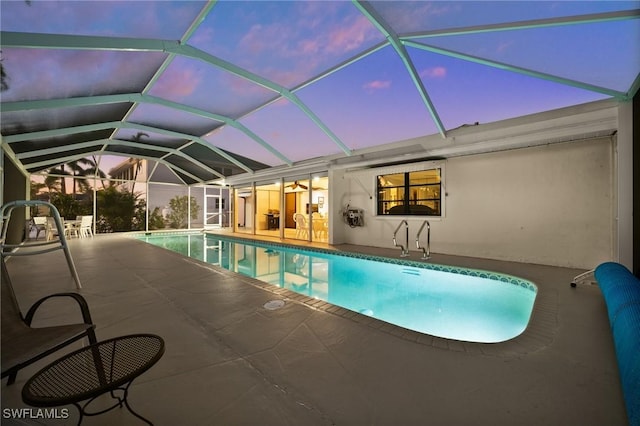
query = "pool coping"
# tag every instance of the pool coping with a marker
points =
(539, 333)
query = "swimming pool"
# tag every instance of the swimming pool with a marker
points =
(443, 301)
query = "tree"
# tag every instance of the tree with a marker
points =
(66, 205)
(4, 85)
(35, 189)
(52, 183)
(116, 210)
(179, 206)
(60, 180)
(137, 138)
(156, 221)
(80, 170)
(83, 169)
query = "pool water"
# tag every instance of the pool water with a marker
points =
(450, 302)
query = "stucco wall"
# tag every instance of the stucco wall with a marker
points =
(15, 188)
(549, 204)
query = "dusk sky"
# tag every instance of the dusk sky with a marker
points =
(369, 102)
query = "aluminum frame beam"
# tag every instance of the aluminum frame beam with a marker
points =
(108, 125)
(394, 40)
(138, 98)
(528, 24)
(77, 42)
(519, 70)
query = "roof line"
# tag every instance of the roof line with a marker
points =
(527, 24)
(519, 70)
(378, 21)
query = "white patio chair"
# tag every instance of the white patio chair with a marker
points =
(86, 223)
(51, 229)
(85, 226)
(71, 229)
(39, 224)
(302, 228)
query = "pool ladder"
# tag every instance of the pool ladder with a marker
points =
(426, 252)
(404, 252)
(404, 249)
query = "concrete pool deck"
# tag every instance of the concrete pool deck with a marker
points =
(230, 361)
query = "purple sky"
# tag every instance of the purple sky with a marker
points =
(367, 103)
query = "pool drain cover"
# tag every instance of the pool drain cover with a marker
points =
(272, 305)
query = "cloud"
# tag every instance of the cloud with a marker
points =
(309, 46)
(177, 83)
(417, 15)
(434, 72)
(262, 38)
(377, 85)
(349, 35)
(305, 45)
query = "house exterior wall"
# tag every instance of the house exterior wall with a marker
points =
(15, 189)
(550, 204)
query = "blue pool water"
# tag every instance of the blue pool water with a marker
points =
(450, 302)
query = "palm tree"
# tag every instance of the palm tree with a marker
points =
(59, 182)
(52, 183)
(3, 79)
(81, 169)
(35, 189)
(137, 138)
(81, 173)
(100, 173)
(4, 85)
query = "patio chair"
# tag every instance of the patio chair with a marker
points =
(302, 228)
(85, 226)
(72, 228)
(51, 229)
(23, 344)
(39, 224)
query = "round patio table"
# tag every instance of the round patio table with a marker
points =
(87, 373)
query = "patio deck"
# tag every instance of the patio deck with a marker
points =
(230, 361)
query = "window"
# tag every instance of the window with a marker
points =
(410, 193)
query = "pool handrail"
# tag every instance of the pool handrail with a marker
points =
(404, 252)
(426, 252)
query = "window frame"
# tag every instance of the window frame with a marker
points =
(407, 170)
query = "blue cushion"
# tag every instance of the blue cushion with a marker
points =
(621, 291)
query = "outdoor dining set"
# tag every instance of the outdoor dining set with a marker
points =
(80, 227)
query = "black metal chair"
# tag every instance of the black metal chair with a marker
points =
(22, 344)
